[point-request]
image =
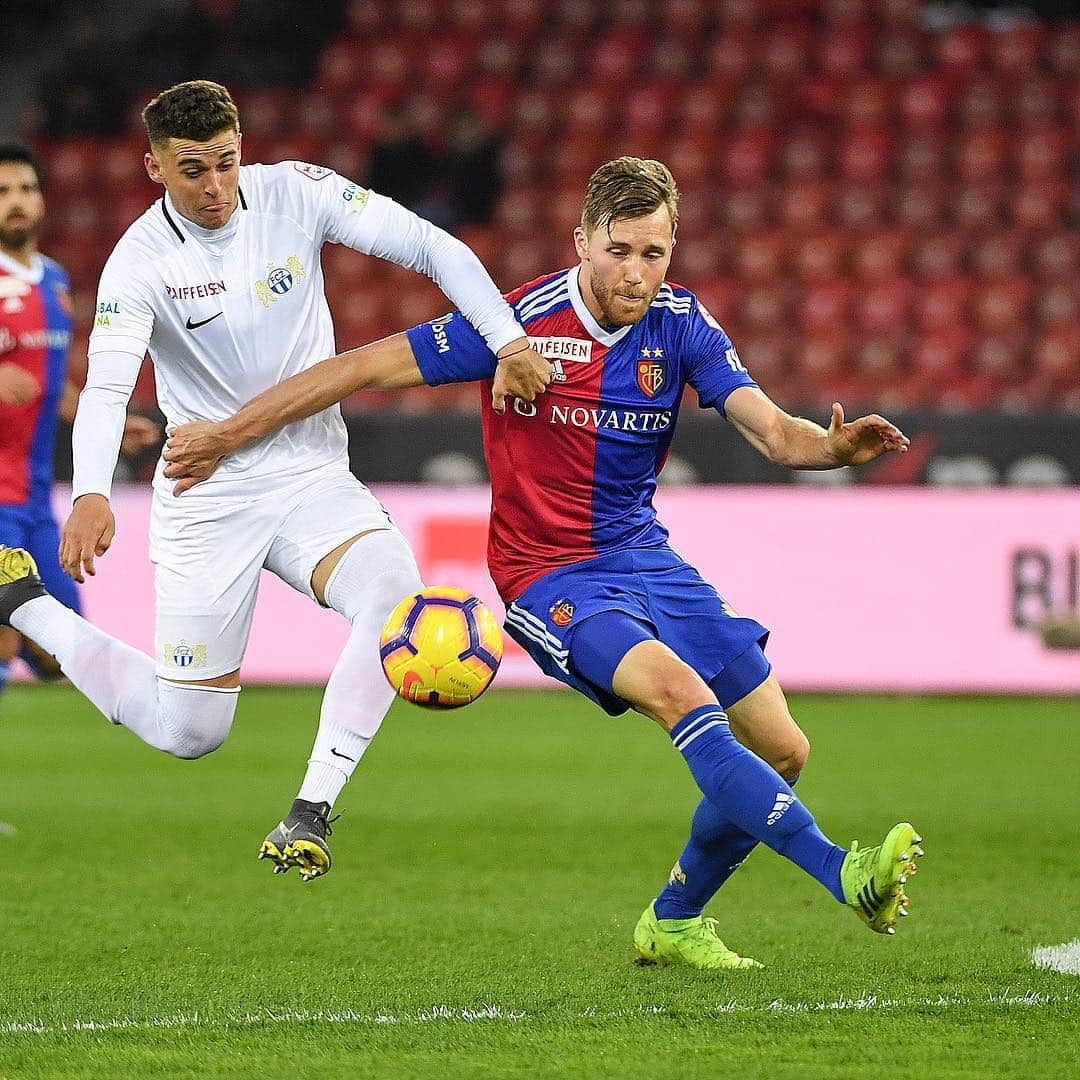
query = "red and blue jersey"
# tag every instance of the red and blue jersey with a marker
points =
(35, 331)
(573, 474)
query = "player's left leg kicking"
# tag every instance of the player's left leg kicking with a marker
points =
(750, 795)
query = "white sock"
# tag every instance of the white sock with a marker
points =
(373, 575)
(121, 681)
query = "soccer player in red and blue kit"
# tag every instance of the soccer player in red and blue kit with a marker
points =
(35, 331)
(593, 590)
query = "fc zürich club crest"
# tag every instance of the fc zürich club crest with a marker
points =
(651, 372)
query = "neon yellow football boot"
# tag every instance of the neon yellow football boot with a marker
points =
(300, 841)
(19, 581)
(873, 878)
(693, 942)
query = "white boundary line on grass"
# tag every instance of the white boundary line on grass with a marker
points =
(497, 1014)
(1061, 958)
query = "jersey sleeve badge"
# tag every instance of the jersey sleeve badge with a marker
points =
(312, 172)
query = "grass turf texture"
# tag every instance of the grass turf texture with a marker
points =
(489, 869)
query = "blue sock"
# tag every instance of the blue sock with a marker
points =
(715, 850)
(5, 670)
(753, 796)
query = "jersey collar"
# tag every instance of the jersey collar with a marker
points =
(214, 237)
(605, 337)
(32, 275)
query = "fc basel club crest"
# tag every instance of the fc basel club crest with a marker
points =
(562, 611)
(650, 373)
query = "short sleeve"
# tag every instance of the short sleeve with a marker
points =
(449, 350)
(124, 317)
(715, 367)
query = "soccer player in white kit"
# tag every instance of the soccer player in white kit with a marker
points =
(221, 282)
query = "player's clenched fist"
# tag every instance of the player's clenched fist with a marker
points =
(522, 373)
(88, 533)
(17, 386)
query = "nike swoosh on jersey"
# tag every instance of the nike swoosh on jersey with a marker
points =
(195, 325)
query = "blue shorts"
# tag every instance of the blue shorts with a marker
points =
(654, 594)
(32, 526)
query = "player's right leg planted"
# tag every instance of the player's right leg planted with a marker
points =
(371, 577)
(184, 721)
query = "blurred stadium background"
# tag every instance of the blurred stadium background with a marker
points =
(880, 197)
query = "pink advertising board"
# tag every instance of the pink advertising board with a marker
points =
(902, 590)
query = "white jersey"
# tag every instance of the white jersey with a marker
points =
(227, 313)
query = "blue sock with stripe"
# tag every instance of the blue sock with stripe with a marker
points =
(715, 850)
(753, 796)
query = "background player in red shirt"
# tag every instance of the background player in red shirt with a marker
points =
(593, 590)
(35, 391)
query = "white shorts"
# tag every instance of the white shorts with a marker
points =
(208, 552)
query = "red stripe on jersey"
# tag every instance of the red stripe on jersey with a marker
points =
(22, 318)
(542, 479)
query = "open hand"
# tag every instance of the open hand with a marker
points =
(863, 440)
(88, 532)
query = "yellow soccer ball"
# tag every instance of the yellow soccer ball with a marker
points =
(441, 647)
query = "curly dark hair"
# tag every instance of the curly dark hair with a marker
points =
(195, 110)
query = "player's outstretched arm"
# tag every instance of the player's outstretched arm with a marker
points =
(802, 444)
(193, 451)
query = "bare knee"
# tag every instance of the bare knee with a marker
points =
(790, 758)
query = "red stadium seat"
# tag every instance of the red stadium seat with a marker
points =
(919, 208)
(919, 159)
(960, 49)
(1015, 51)
(980, 155)
(1036, 101)
(339, 69)
(820, 258)
(1055, 356)
(1002, 306)
(1055, 256)
(1063, 51)
(763, 309)
(784, 55)
(1038, 207)
(746, 157)
(883, 306)
(899, 53)
(941, 356)
(881, 255)
(1041, 155)
(805, 155)
(998, 257)
(980, 106)
(978, 207)
(825, 306)
(924, 103)
(759, 258)
(858, 208)
(844, 53)
(863, 157)
(866, 105)
(944, 304)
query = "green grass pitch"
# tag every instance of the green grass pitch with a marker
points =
(490, 866)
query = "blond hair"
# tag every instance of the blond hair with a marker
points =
(628, 187)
